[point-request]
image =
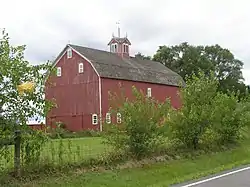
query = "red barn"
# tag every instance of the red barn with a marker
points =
(85, 76)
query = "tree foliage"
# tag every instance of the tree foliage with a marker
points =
(141, 56)
(187, 59)
(228, 117)
(15, 71)
(21, 94)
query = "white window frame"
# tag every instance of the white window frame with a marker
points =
(69, 53)
(113, 48)
(108, 118)
(58, 71)
(80, 68)
(149, 92)
(118, 117)
(94, 119)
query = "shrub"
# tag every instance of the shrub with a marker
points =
(230, 116)
(208, 116)
(190, 123)
(141, 131)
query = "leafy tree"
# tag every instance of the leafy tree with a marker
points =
(187, 59)
(21, 84)
(139, 55)
(21, 89)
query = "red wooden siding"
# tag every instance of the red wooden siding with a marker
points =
(76, 94)
(159, 92)
(37, 127)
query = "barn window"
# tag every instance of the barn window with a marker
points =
(94, 119)
(124, 48)
(149, 93)
(80, 68)
(59, 71)
(118, 118)
(108, 118)
(113, 48)
(69, 53)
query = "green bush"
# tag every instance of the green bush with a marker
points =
(230, 116)
(141, 131)
(190, 123)
(208, 117)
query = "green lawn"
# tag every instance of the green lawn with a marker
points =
(75, 149)
(156, 175)
(66, 151)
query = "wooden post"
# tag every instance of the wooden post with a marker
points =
(17, 153)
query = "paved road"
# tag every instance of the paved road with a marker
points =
(239, 177)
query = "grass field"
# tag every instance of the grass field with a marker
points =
(156, 175)
(66, 151)
(74, 149)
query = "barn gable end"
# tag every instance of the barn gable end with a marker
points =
(76, 93)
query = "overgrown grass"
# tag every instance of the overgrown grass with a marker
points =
(153, 175)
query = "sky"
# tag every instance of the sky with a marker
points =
(46, 26)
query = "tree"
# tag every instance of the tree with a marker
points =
(21, 97)
(139, 55)
(21, 84)
(187, 59)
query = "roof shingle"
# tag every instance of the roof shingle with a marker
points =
(110, 65)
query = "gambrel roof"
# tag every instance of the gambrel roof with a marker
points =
(110, 65)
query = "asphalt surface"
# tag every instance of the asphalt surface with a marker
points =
(237, 179)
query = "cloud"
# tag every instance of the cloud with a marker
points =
(46, 26)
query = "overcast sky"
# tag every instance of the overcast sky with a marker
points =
(46, 26)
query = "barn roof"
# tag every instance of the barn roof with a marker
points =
(120, 40)
(110, 65)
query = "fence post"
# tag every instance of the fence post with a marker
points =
(17, 153)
